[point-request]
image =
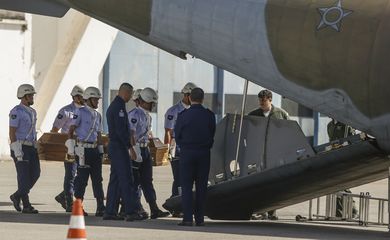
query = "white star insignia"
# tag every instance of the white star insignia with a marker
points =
(327, 13)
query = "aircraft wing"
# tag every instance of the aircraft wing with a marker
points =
(42, 7)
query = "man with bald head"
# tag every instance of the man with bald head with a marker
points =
(121, 185)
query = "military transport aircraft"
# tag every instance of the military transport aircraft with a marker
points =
(329, 55)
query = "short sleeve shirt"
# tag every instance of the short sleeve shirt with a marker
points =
(24, 119)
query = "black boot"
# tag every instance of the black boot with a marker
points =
(100, 207)
(60, 198)
(156, 212)
(27, 207)
(143, 213)
(16, 201)
(69, 203)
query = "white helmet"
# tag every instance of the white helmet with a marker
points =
(92, 92)
(136, 94)
(149, 95)
(77, 90)
(188, 88)
(25, 89)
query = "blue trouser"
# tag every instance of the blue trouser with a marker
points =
(70, 174)
(137, 183)
(146, 176)
(175, 165)
(94, 161)
(121, 185)
(28, 171)
(194, 167)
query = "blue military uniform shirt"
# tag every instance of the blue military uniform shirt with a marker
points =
(24, 119)
(118, 122)
(64, 117)
(141, 123)
(171, 115)
(195, 128)
(88, 123)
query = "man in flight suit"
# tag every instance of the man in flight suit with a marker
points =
(121, 185)
(135, 171)
(86, 144)
(194, 133)
(140, 127)
(23, 136)
(267, 109)
(63, 121)
(169, 138)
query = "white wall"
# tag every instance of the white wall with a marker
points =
(44, 41)
(27, 57)
(14, 70)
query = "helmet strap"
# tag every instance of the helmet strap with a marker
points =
(25, 101)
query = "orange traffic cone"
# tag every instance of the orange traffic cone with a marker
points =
(77, 224)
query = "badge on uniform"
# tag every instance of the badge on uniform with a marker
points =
(14, 116)
(133, 120)
(75, 116)
(121, 113)
(59, 116)
(170, 117)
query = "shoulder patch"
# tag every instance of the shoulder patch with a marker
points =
(170, 117)
(75, 116)
(13, 116)
(133, 120)
(60, 116)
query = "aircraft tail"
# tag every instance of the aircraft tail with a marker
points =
(43, 7)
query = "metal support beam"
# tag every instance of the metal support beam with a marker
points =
(106, 91)
(59, 66)
(79, 60)
(241, 121)
(316, 118)
(219, 87)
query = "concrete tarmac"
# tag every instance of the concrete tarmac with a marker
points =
(52, 222)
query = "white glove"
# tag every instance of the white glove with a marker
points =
(172, 148)
(70, 144)
(101, 149)
(16, 147)
(137, 150)
(79, 151)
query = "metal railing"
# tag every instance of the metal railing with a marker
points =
(363, 216)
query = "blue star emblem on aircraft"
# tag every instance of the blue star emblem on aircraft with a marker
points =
(333, 16)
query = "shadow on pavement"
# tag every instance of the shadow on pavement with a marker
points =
(250, 228)
(2, 204)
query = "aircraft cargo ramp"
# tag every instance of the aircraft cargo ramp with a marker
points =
(278, 168)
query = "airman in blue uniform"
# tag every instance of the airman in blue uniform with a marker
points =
(140, 126)
(85, 142)
(136, 167)
(121, 185)
(62, 122)
(194, 133)
(23, 136)
(169, 138)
